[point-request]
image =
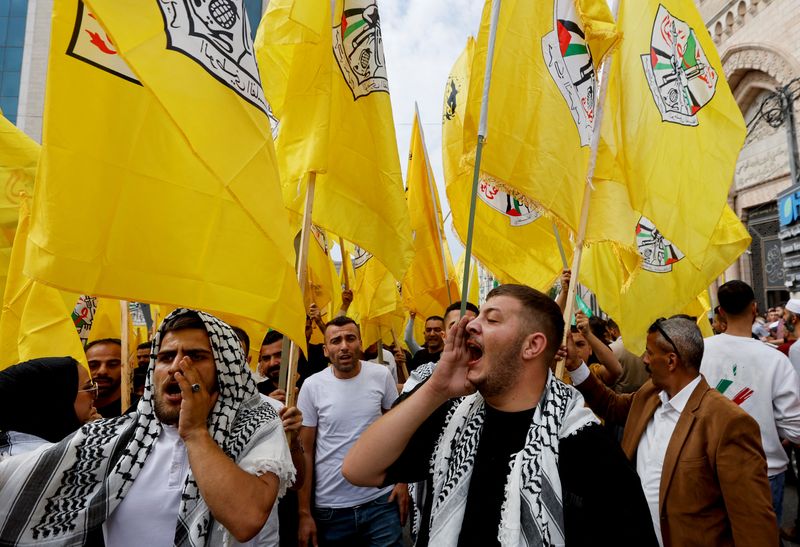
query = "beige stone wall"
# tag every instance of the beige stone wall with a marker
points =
(759, 44)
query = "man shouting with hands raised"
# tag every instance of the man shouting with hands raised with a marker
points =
(508, 462)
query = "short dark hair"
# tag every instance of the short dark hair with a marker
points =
(612, 324)
(341, 321)
(735, 296)
(244, 338)
(598, 326)
(93, 343)
(272, 337)
(143, 345)
(543, 314)
(683, 331)
(434, 318)
(189, 320)
(457, 306)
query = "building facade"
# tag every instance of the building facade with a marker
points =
(758, 43)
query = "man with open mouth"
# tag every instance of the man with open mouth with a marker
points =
(509, 462)
(201, 461)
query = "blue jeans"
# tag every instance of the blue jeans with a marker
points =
(375, 523)
(776, 483)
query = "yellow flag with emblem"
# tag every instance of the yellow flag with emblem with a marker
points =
(326, 79)
(672, 130)
(19, 155)
(430, 283)
(322, 277)
(513, 240)
(541, 101)
(375, 289)
(36, 319)
(668, 282)
(141, 147)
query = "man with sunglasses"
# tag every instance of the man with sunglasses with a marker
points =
(698, 456)
(759, 379)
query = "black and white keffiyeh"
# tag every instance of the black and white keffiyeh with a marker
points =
(61, 495)
(532, 512)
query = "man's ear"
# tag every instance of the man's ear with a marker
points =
(533, 345)
(324, 350)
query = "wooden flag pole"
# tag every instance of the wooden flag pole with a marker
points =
(126, 386)
(289, 366)
(403, 368)
(436, 212)
(345, 256)
(587, 193)
(560, 245)
(487, 79)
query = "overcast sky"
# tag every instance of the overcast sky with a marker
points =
(421, 41)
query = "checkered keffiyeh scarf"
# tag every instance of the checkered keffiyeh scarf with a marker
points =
(61, 495)
(532, 512)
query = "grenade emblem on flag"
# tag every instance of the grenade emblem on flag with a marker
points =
(659, 253)
(358, 48)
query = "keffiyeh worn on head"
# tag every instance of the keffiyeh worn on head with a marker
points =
(65, 493)
(532, 512)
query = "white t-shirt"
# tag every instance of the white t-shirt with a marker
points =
(148, 514)
(341, 409)
(794, 357)
(389, 362)
(762, 381)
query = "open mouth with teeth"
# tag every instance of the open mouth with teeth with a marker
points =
(475, 352)
(172, 392)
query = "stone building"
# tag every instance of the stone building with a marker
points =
(758, 43)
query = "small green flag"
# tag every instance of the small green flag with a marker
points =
(582, 306)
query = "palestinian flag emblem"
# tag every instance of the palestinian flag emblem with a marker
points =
(659, 254)
(569, 61)
(678, 73)
(360, 257)
(504, 203)
(358, 48)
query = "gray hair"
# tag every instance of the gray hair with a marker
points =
(685, 334)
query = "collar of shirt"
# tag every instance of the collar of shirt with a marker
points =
(678, 402)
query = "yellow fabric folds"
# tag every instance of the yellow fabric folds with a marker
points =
(176, 213)
(330, 91)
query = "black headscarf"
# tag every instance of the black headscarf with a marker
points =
(38, 397)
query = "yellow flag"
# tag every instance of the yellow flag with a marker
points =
(330, 90)
(672, 130)
(699, 308)
(322, 278)
(375, 288)
(430, 283)
(668, 282)
(541, 102)
(36, 320)
(201, 163)
(107, 322)
(473, 291)
(18, 157)
(516, 242)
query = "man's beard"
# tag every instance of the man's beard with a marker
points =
(504, 372)
(166, 414)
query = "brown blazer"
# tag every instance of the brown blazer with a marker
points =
(714, 487)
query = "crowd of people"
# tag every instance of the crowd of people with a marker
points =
(469, 436)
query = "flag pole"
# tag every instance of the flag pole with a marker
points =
(127, 375)
(345, 256)
(434, 201)
(487, 79)
(560, 245)
(605, 70)
(289, 367)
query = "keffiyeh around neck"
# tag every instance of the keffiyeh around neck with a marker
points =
(532, 512)
(68, 491)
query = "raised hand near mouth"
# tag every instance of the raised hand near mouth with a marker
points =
(196, 405)
(450, 377)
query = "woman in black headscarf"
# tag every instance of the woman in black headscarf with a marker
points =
(42, 401)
